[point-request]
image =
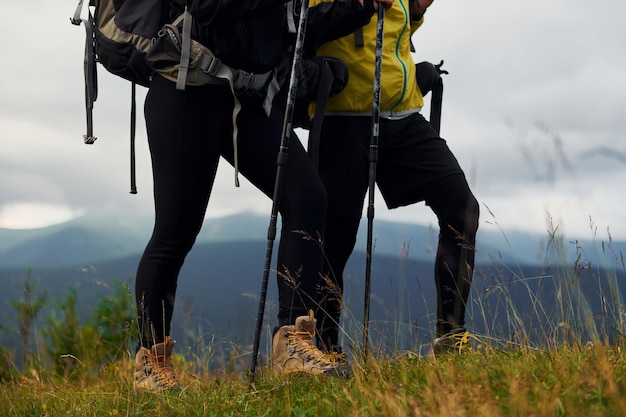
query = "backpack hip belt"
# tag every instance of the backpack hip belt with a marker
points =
(189, 63)
(203, 68)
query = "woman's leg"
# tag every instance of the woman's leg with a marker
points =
(344, 170)
(302, 206)
(184, 130)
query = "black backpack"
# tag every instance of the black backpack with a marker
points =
(118, 36)
(121, 33)
(429, 80)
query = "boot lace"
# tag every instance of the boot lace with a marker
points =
(304, 345)
(162, 369)
(337, 357)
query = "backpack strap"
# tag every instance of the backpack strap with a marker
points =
(90, 69)
(291, 13)
(133, 124)
(326, 81)
(185, 61)
(91, 88)
(211, 67)
(435, 105)
(76, 20)
(358, 38)
(185, 52)
(429, 80)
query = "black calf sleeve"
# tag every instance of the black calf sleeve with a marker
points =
(340, 238)
(457, 211)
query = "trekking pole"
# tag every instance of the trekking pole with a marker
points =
(280, 163)
(373, 159)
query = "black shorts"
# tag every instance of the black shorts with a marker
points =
(411, 157)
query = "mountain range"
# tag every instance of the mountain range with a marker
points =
(90, 239)
(218, 288)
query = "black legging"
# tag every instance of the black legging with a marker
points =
(457, 211)
(187, 132)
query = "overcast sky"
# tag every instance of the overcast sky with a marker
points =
(534, 108)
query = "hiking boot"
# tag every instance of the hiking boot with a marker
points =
(456, 341)
(294, 351)
(153, 368)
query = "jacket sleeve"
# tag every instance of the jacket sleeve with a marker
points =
(332, 19)
(224, 13)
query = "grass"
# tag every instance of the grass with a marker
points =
(551, 353)
(574, 381)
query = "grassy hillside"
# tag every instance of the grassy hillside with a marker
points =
(568, 381)
(549, 339)
(536, 305)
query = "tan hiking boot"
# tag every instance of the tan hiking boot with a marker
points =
(294, 351)
(153, 368)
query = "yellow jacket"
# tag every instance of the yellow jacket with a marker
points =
(400, 94)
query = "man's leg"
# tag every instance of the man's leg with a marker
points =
(343, 168)
(457, 211)
(302, 207)
(339, 242)
(415, 164)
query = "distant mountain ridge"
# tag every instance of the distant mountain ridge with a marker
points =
(88, 240)
(220, 281)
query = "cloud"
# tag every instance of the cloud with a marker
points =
(34, 215)
(533, 110)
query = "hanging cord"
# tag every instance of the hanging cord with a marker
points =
(133, 123)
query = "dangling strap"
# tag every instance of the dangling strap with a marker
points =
(323, 92)
(291, 22)
(207, 67)
(185, 53)
(429, 80)
(437, 98)
(133, 122)
(76, 18)
(91, 75)
(225, 73)
(212, 66)
(435, 105)
(91, 78)
(358, 38)
(272, 89)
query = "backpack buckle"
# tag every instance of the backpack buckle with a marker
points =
(209, 64)
(214, 65)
